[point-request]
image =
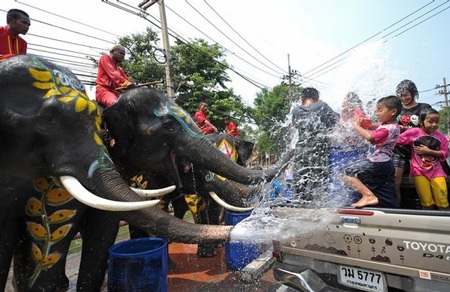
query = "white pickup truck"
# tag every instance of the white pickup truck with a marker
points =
(366, 249)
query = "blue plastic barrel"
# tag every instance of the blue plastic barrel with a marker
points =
(239, 254)
(339, 158)
(139, 264)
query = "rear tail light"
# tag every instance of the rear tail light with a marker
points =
(355, 212)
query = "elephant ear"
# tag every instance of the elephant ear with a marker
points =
(118, 124)
(244, 149)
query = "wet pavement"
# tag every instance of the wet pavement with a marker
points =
(193, 273)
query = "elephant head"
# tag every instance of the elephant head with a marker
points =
(236, 148)
(145, 121)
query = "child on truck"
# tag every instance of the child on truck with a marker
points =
(373, 177)
(429, 150)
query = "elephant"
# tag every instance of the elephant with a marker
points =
(235, 147)
(51, 147)
(51, 142)
(206, 211)
(175, 150)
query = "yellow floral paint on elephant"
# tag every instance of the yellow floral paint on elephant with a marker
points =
(52, 81)
(45, 228)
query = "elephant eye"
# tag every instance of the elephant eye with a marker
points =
(169, 125)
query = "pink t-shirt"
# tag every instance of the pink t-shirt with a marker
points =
(384, 138)
(426, 165)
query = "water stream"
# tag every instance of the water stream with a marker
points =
(287, 218)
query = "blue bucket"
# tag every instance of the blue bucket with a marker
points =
(339, 158)
(139, 264)
(239, 254)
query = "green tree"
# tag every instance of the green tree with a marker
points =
(199, 71)
(443, 120)
(270, 113)
(142, 57)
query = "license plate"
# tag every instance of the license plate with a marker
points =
(361, 279)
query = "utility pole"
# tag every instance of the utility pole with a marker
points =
(445, 93)
(291, 77)
(165, 38)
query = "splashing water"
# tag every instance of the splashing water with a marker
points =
(288, 218)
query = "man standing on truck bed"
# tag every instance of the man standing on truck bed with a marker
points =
(313, 120)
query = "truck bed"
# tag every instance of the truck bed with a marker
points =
(367, 249)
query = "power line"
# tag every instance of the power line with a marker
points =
(143, 14)
(402, 32)
(241, 36)
(253, 57)
(364, 41)
(228, 50)
(68, 19)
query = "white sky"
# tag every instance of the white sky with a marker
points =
(311, 32)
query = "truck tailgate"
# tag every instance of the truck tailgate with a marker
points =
(408, 243)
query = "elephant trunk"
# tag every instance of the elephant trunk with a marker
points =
(202, 152)
(153, 220)
(174, 229)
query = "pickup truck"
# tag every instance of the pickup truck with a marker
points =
(369, 249)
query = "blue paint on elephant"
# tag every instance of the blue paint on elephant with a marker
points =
(181, 116)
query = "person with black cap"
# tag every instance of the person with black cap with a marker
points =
(313, 120)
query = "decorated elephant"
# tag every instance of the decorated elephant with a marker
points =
(174, 149)
(50, 135)
(234, 147)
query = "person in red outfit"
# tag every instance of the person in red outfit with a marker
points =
(202, 120)
(231, 129)
(11, 44)
(111, 76)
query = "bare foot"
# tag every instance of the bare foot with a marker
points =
(366, 201)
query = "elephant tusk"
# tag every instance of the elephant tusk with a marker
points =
(146, 194)
(228, 206)
(80, 193)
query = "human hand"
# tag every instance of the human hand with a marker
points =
(357, 122)
(366, 123)
(421, 149)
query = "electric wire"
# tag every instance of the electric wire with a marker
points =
(242, 37)
(178, 37)
(306, 75)
(311, 72)
(213, 25)
(68, 19)
(225, 48)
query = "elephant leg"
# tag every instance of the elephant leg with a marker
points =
(8, 238)
(99, 232)
(214, 211)
(28, 276)
(179, 207)
(201, 216)
(136, 232)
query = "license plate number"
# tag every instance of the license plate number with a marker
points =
(361, 279)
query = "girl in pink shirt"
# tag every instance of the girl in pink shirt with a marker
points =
(429, 150)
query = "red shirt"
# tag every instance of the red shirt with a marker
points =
(232, 129)
(200, 118)
(11, 45)
(110, 75)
